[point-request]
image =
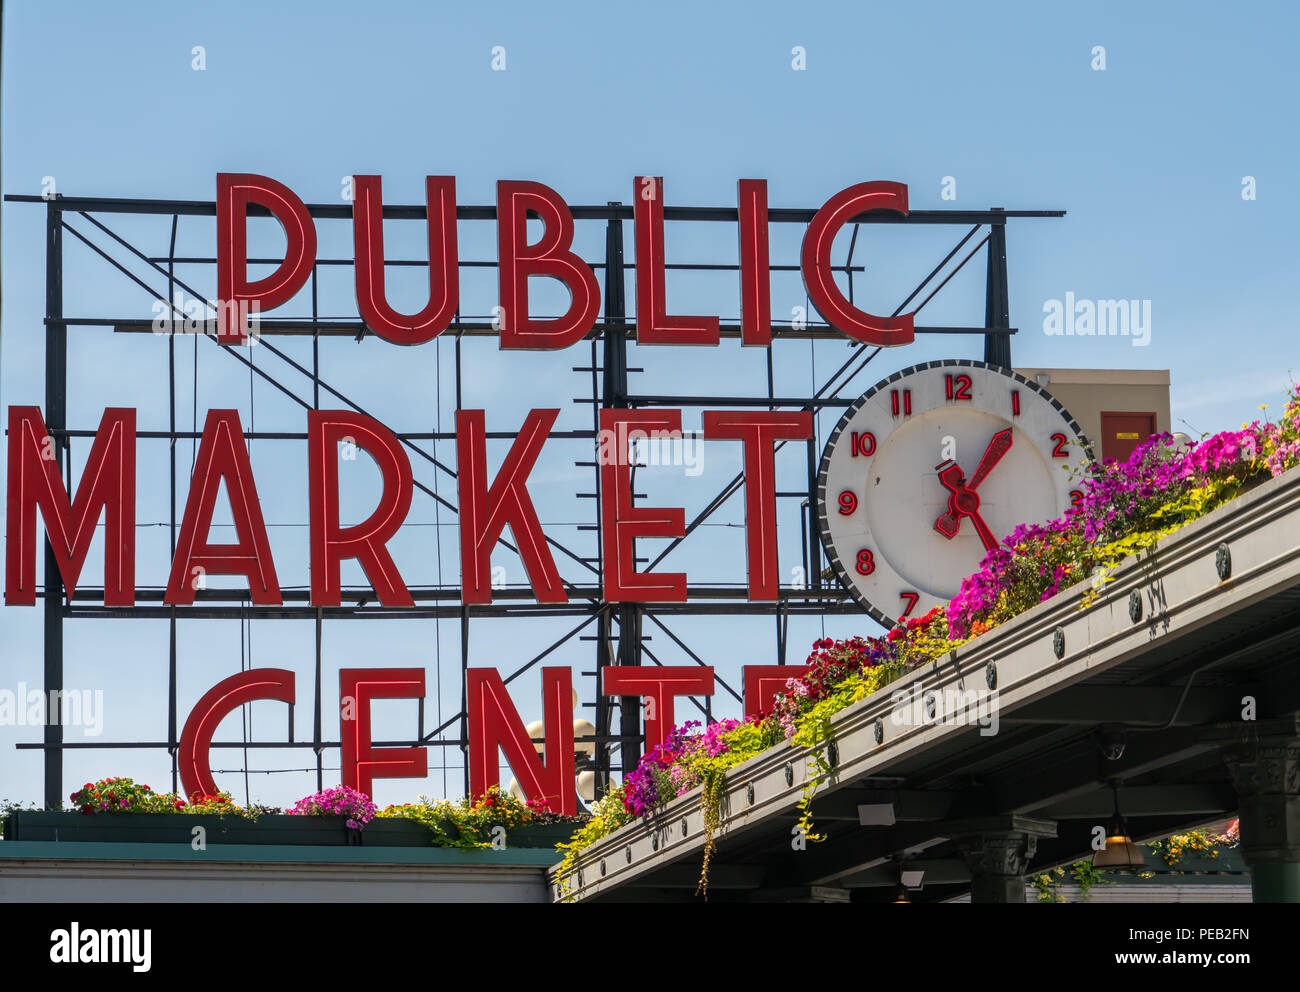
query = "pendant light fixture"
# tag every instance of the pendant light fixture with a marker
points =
(1120, 853)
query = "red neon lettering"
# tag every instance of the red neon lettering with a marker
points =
(755, 270)
(549, 257)
(363, 762)
(763, 682)
(331, 543)
(494, 723)
(444, 278)
(222, 455)
(107, 484)
(623, 522)
(653, 323)
(485, 512)
(759, 431)
(819, 279)
(234, 292)
(659, 686)
(223, 698)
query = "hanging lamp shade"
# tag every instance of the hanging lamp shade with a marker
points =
(1120, 853)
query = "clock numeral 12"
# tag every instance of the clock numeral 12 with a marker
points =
(912, 599)
(864, 443)
(957, 387)
(866, 562)
(906, 403)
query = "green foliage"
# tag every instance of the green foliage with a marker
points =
(469, 824)
(1082, 873)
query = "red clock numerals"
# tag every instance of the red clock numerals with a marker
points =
(1015, 402)
(912, 599)
(901, 403)
(1059, 450)
(866, 562)
(1076, 497)
(864, 443)
(848, 502)
(957, 387)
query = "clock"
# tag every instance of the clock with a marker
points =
(929, 469)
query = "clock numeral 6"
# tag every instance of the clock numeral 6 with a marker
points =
(1059, 451)
(866, 562)
(957, 387)
(848, 502)
(912, 599)
(904, 404)
(864, 443)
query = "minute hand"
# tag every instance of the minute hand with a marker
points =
(998, 446)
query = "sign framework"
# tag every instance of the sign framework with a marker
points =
(619, 627)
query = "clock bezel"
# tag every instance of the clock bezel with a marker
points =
(823, 521)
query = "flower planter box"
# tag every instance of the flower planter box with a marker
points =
(396, 832)
(319, 831)
(177, 828)
(541, 834)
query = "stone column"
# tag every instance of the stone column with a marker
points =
(998, 851)
(1266, 774)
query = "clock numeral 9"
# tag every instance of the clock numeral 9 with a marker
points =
(866, 562)
(957, 387)
(864, 443)
(1059, 451)
(905, 404)
(912, 599)
(848, 502)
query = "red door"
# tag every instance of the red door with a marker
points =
(1122, 432)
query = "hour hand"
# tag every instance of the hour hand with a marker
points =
(954, 480)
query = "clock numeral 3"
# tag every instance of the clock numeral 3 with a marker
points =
(1076, 497)
(848, 502)
(912, 599)
(899, 404)
(866, 562)
(1059, 451)
(864, 443)
(957, 387)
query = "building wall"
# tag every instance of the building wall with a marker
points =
(124, 882)
(121, 873)
(1088, 392)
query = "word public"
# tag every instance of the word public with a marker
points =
(550, 256)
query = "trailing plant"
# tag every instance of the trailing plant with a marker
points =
(1082, 873)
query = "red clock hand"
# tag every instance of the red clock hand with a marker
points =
(963, 500)
(953, 479)
(998, 446)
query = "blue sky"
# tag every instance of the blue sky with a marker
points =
(1148, 157)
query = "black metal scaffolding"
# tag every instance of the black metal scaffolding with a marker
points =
(619, 632)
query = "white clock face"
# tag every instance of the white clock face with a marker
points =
(931, 468)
